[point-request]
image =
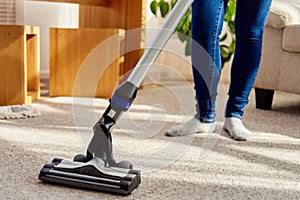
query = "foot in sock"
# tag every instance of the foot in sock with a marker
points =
(236, 129)
(190, 127)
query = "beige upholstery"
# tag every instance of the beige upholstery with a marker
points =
(280, 65)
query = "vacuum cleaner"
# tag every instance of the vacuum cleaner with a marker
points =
(97, 169)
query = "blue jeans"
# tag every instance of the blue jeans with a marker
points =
(207, 22)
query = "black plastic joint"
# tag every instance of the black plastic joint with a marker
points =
(123, 96)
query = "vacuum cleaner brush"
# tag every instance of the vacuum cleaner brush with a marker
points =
(91, 175)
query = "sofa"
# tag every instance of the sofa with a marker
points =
(280, 64)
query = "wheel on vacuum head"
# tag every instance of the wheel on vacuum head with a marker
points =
(80, 158)
(125, 164)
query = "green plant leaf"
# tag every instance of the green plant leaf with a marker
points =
(225, 53)
(173, 2)
(179, 26)
(225, 47)
(223, 38)
(184, 27)
(188, 46)
(153, 7)
(232, 46)
(230, 11)
(231, 26)
(182, 37)
(164, 8)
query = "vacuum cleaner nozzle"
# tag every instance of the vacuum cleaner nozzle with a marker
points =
(92, 175)
(97, 170)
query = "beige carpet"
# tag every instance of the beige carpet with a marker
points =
(203, 166)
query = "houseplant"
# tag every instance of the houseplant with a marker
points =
(227, 40)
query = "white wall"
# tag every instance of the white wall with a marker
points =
(7, 12)
(46, 15)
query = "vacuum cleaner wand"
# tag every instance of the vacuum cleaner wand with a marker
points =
(125, 94)
(98, 169)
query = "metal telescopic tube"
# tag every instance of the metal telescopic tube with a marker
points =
(160, 40)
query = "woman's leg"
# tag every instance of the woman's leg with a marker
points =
(207, 21)
(250, 22)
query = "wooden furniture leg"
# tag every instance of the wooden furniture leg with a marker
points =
(19, 64)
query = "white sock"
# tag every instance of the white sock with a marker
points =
(236, 129)
(190, 127)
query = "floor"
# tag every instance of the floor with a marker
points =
(200, 166)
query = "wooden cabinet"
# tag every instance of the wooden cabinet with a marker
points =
(19, 64)
(102, 16)
(124, 14)
(84, 2)
(84, 62)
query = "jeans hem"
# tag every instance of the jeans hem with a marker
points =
(233, 116)
(204, 120)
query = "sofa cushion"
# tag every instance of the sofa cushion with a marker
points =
(284, 13)
(291, 38)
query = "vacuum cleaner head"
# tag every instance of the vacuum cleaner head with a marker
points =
(97, 170)
(92, 175)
